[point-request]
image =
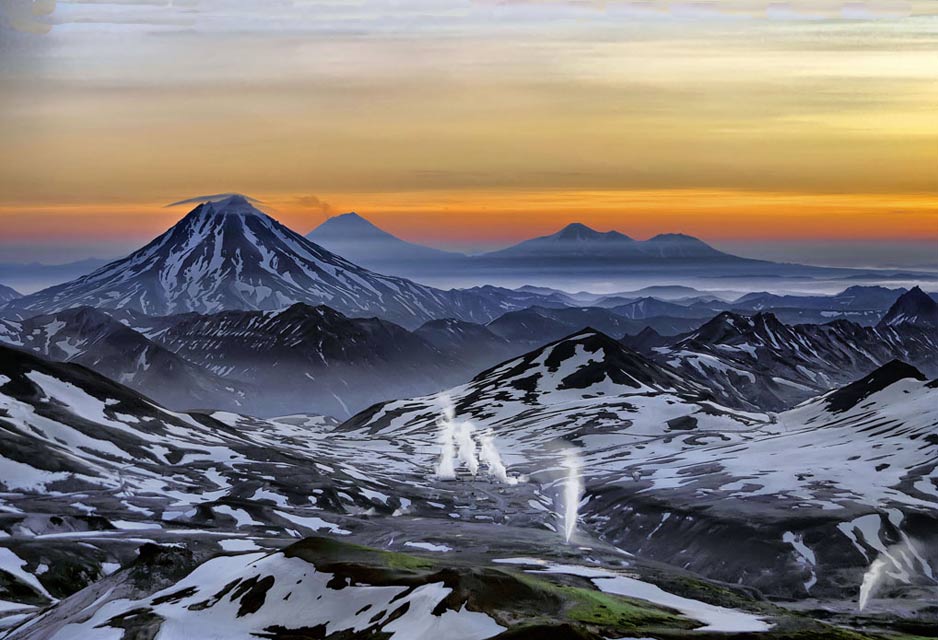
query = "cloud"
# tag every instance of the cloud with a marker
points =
(27, 16)
(317, 204)
(215, 197)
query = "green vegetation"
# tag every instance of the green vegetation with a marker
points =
(593, 607)
(406, 561)
(324, 551)
(534, 606)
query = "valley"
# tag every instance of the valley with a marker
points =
(235, 433)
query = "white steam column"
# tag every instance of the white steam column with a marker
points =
(572, 490)
(458, 447)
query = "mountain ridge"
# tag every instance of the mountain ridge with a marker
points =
(8, 293)
(758, 361)
(93, 339)
(227, 254)
(913, 308)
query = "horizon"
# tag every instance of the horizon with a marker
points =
(634, 331)
(845, 252)
(782, 131)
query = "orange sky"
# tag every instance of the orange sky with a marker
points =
(488, 219)
(475, 126)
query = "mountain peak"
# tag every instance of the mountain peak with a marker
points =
(680, 245)
(352, 217)
(233, 204)
(675, 237)
(349, 225)
(577, 230)
(587, 361)
(580, 231)
(358, 239)
(720, 327)
(887, 375)
(226, 254)
(216, 198)
(913, 308)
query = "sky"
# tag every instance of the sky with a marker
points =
(795, 130)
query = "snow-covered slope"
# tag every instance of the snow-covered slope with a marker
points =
(758, 361)
(90, 470)
(672, 476)
(871, 443)
(226, 255)
(555, 387)
(320, 588)
(66, 429)
(914, 308)
(94, 339)
(812, 499)
(280, 595)
(8, 293)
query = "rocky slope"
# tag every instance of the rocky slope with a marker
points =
(914, 308)
(307, 358)
(759, 362)
(96, 340)
(794, 505)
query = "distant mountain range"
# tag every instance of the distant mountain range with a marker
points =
(535, 325)
(308, 357)
(230, 309)
(579, 244)
(574, 250)
(229, 255)
(760, 363)
(576, 246)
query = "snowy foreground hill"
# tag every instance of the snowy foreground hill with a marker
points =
(578, 491)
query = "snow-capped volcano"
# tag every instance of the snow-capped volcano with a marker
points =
(227, 254)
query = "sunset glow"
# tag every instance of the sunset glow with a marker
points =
(477, 125)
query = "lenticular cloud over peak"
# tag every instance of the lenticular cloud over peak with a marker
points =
(216, 197)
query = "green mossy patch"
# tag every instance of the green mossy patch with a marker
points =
(590, 606)
(515, 599)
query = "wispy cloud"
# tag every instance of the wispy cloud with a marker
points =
(316, 204)
(27, 16)
(215, 197)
